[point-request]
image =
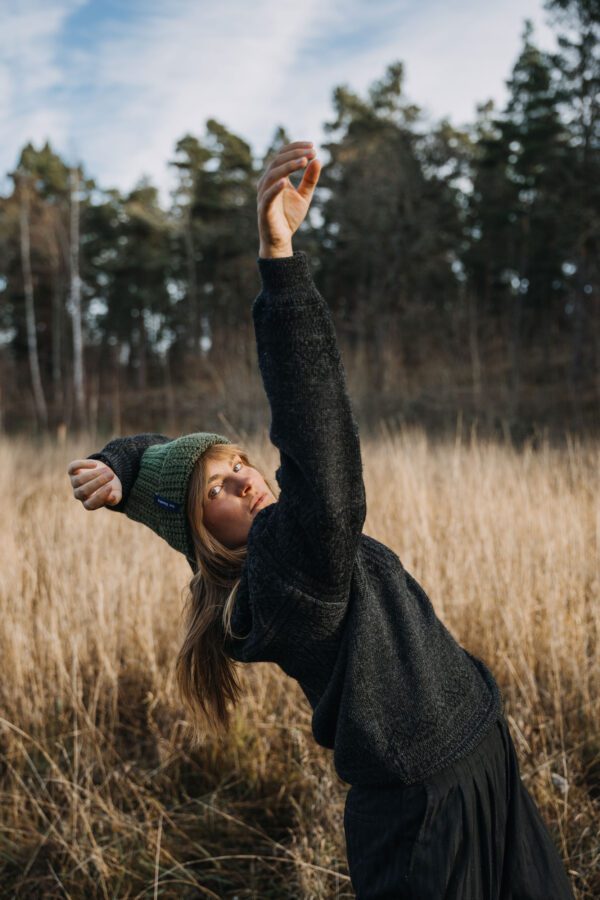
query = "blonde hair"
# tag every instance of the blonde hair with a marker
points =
(206, 674)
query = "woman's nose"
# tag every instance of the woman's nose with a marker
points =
(247, 484)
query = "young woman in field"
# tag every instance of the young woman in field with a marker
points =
(436, 807)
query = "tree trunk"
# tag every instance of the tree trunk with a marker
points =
(142, 368)
(34, 363)
(516, 337)
(474, 350)
(57, 325)
(192, 283)
(116, 393)
(169, 394)
(78, 372)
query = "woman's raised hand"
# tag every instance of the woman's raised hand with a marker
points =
(281, 207)
(94, 483)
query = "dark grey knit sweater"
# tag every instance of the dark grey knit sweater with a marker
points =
(392, 693)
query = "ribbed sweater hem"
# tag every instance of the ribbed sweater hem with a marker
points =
(456, 749)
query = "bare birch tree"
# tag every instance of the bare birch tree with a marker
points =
(32, 347)
(75, 299)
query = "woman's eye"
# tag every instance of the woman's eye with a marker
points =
(210, 493)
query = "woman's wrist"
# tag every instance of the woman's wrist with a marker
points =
(268, 251)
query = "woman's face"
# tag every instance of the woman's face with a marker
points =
(231, 492)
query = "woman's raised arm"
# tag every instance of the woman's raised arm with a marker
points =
(314, 530)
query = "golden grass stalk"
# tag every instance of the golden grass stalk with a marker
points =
(100, 796)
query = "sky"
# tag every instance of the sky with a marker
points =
(114, 84)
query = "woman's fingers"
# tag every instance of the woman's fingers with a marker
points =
(84, 476)
(81, 464)
(284, 163)
(294, 145)
(274, 173)
(94, 483)
(99, 498)
(87, 475)
(285, 154)
(84, 489)
(292, 151)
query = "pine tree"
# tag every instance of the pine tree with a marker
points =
(389, 216)
(578, 62)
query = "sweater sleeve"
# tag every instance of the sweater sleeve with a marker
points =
(123, 456)
(314, 530)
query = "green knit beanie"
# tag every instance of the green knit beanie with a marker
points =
(159, 496)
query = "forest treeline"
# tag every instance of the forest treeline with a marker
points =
(460, 264)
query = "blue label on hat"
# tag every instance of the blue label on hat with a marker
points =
(167, 504)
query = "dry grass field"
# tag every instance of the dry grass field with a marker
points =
(100, 796)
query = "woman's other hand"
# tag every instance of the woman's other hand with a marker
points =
(281, 207)
(94, 483)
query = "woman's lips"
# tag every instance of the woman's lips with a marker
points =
(260, 499)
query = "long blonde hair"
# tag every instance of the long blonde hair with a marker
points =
(206, 674)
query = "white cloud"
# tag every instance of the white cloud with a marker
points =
(29, 68)
(466, 58)
(455, 56)
(169, 73)
(120, 103)
(28, 39)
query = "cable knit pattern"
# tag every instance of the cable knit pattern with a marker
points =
(392, 692)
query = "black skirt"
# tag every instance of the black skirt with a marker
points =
(471, 832)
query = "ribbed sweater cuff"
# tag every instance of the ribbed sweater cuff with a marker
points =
(288, 275)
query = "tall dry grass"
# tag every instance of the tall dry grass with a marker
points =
(99, 794)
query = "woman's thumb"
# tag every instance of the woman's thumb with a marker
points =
(310, 179)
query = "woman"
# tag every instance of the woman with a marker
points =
(436, 807)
